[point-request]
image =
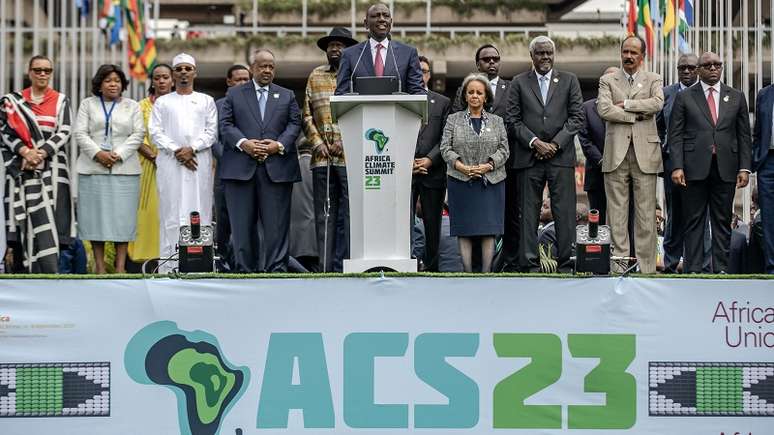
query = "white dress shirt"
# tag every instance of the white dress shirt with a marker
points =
(548, 86)
(493, 85)
(716, 95)
(385, 43)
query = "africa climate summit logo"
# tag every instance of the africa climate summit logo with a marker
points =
(191, 364)
(378, 138)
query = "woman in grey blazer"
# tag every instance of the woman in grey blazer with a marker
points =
(108, 129)
(475, 148)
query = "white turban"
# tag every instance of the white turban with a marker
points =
(183, 58)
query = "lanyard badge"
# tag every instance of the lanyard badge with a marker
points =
(107, 141)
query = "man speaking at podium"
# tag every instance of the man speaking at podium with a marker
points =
(385, 57)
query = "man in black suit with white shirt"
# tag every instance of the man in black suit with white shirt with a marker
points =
(429, 180)
(710, 148)
(545, 112)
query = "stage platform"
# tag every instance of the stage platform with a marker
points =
(392, 354)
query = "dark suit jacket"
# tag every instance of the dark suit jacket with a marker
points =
(429, 141)
(662, 123)
(240, 117)
(557, 122)
(405, 56)
(217, 147)
(498, 107)
(592, 141)
(691, 134)
(762, 131)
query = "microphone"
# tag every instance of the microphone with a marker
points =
(196, 229)
(352, 76)
(394, 62)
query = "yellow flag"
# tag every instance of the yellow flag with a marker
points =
(669, 19)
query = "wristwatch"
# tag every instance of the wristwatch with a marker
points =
(280, 149)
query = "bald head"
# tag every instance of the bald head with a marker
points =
(710, 68)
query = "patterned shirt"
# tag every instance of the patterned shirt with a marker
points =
(319, 128)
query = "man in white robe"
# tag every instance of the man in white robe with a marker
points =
(184, 126)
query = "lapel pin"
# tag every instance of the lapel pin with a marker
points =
(276, 96)
(432, 101)
(639, 85)
(556, 80)
(502, 86)
(488, 129)
(725, 99)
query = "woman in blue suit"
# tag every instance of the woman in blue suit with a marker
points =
(475, 148)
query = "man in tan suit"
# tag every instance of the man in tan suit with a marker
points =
(629, 101)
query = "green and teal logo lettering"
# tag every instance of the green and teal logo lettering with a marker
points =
(296, 378)
(192, 365)
(378, 138)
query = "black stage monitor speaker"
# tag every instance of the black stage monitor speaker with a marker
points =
(592, 245)
(195, 247)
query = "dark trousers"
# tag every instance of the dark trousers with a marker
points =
(336, 248)
(223, 228)
(674, 230)
(508, 260)
(431, 201)
(561, 188)
(259, 206)
(766, 204)
(598, 201)
(719, 196)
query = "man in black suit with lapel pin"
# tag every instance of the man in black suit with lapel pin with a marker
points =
(259, 124)
(545, 112)
(384, 56)
(709, 145)
(428, 182)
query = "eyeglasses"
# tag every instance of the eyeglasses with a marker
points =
(710, 65)
(490, 59)
(686, 67)
(42, 70)
(184, 68)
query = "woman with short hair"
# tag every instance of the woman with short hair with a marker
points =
(109, 130)
(475, 148)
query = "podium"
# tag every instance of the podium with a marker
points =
(380, 135)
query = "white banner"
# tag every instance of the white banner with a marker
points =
(388, 356)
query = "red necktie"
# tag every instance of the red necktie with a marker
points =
(711, 103)
(379, 63)
(713, 111)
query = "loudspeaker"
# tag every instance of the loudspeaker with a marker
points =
(196, 254)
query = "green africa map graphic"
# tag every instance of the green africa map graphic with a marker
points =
(191, 364)
(378, 137)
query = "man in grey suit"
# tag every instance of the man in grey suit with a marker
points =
(545, 112)
(674, 231)
(629, 101)
(710, 147)
(259, 124)
(429, 175)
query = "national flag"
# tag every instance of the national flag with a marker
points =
(142, 50)
(83, 6)
(669, 17)
(644, 20)
(111, 19)
(685, 14)
(631, 24)
(655, 11)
